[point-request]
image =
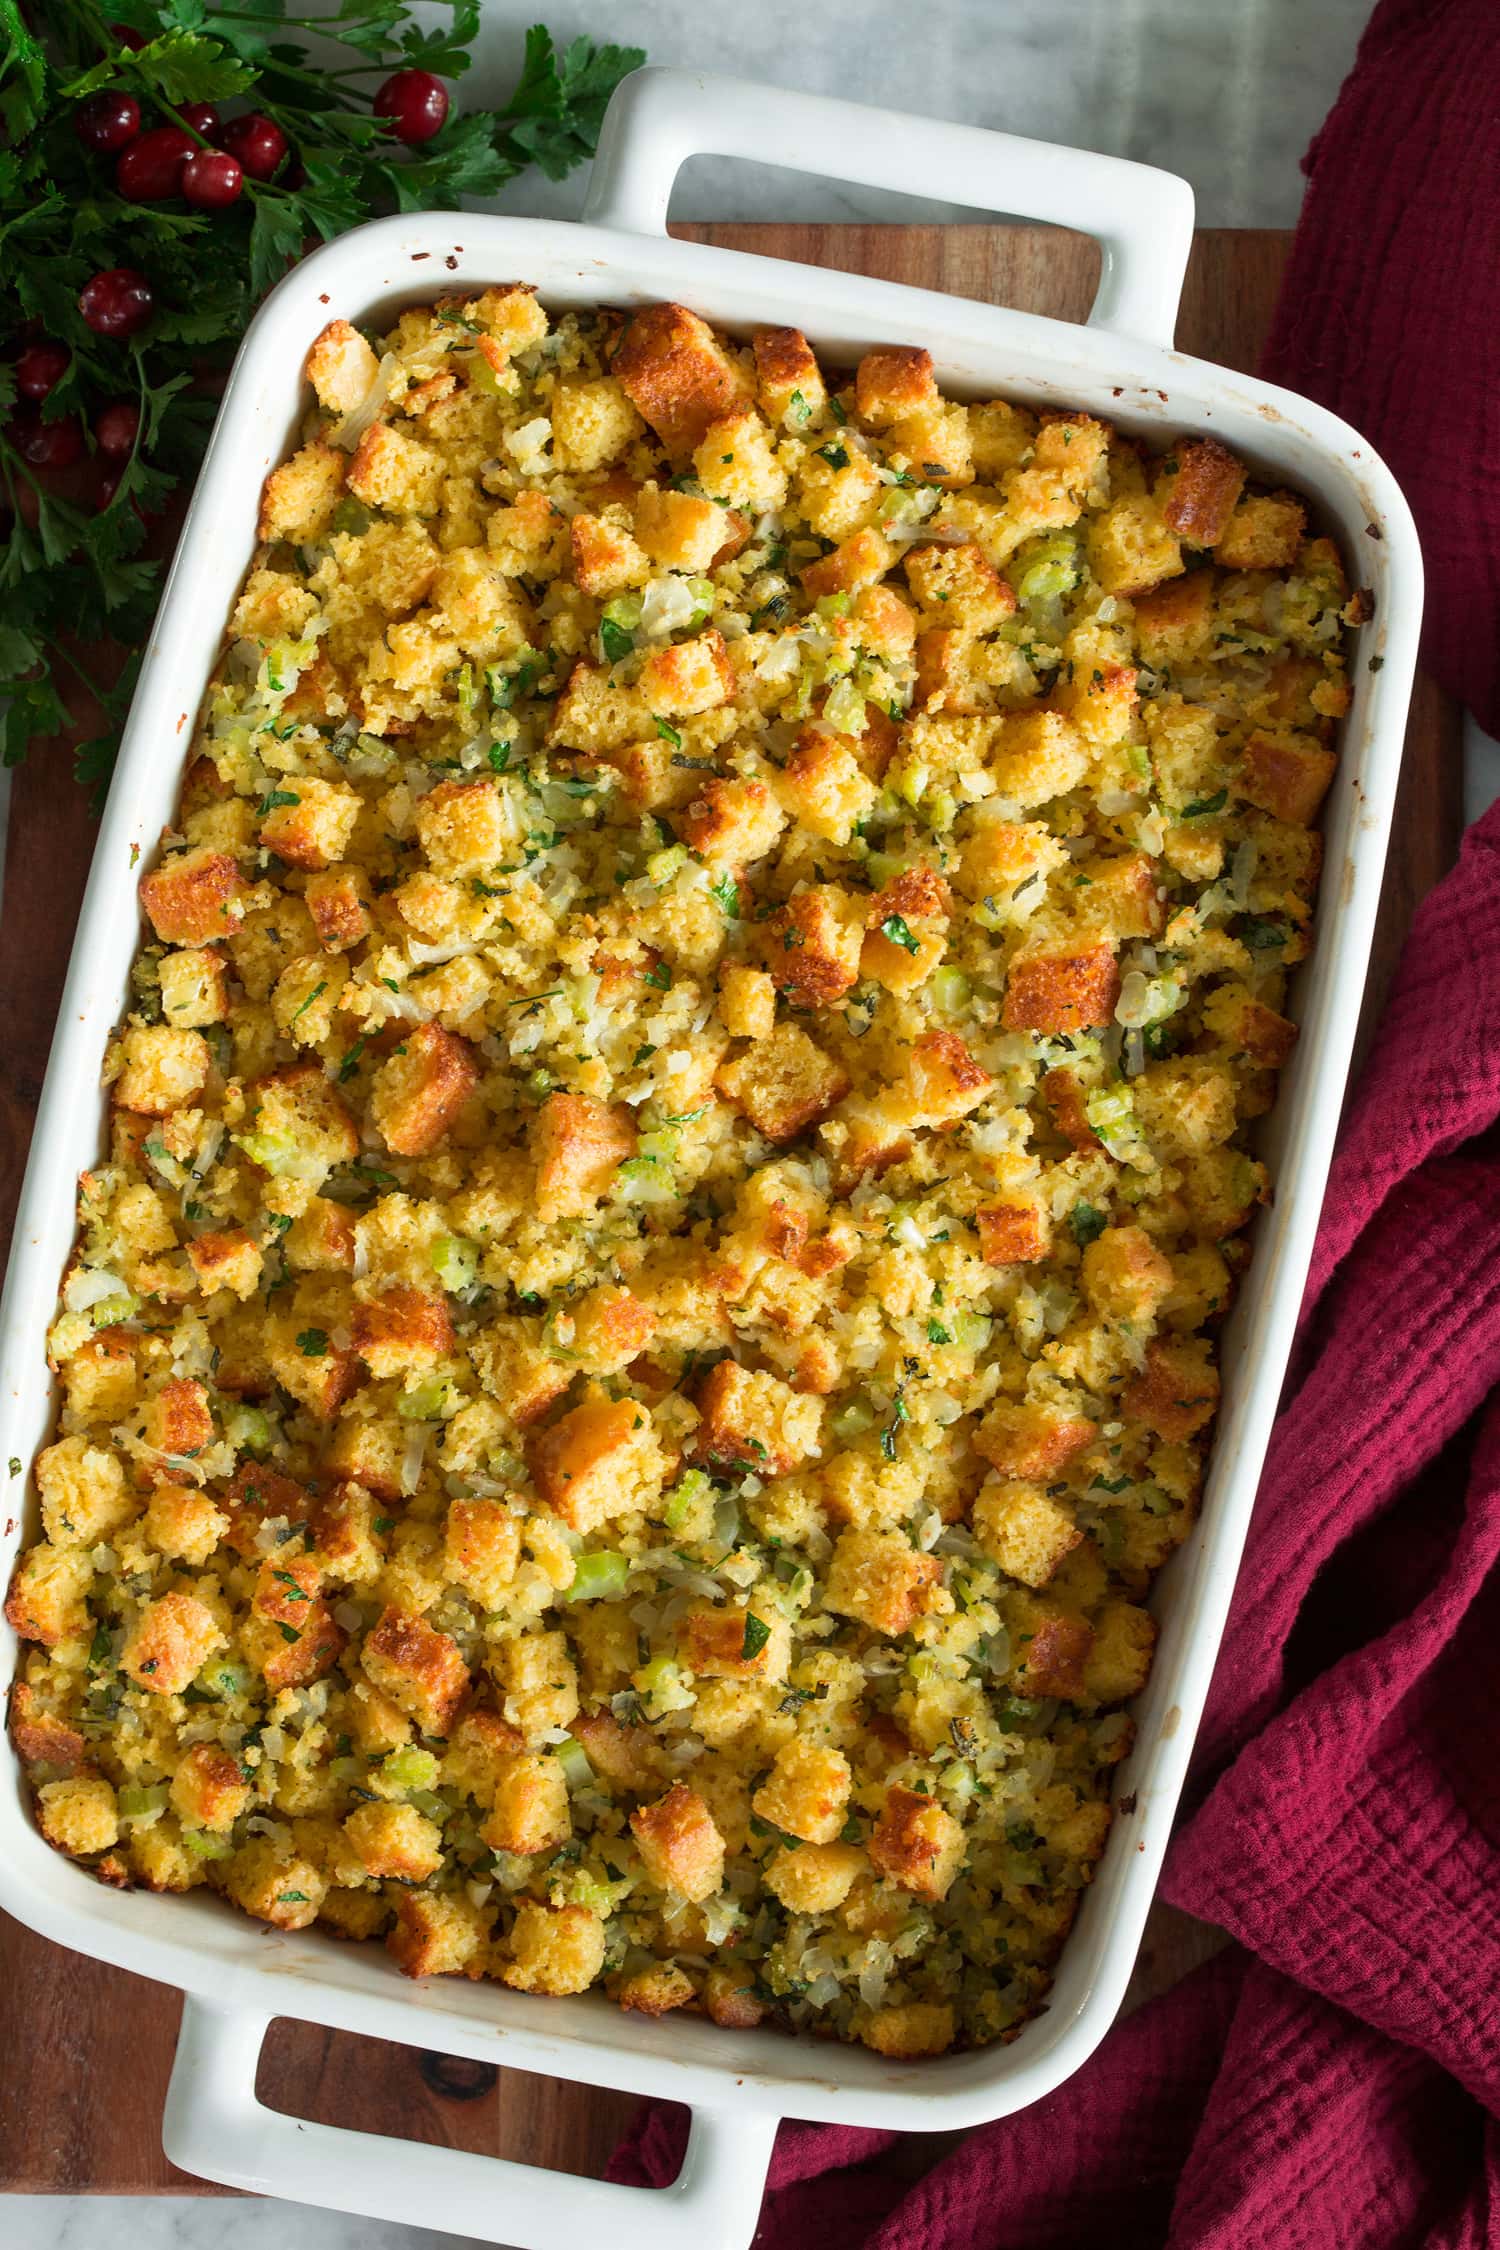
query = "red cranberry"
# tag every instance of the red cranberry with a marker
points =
(199, 117)
(40, 368)
(151, 168)
(211, 180)
(134, 40)
(416, 104)
(106, 488)
(107, 121)
(115, 430)
(116, 302)
(257, 143)
(48, 445)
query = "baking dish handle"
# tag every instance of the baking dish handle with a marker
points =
(216, 2126)
(1142, 219)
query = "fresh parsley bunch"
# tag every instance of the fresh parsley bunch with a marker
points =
(161, 163)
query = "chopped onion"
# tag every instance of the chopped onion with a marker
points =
(347, 432)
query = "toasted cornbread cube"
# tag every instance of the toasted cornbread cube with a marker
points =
(265, 1879)
(1198, 492)
(592, 423)
(750, 1418)
(908, 2029)
(395, 1842)
(1174, 622)
(676, 374)
(294, 1650)
(403, 1328)
(1038, 755)
(1246, 1026)
(610, 1329)
(393, 471)
(943, 1081)
(341, 367)
(177, 1419)
(1124, 896)
(747, 1001)
(83, 1492)
(296, 1112)
(806, 1792)
(733, 1644)
(1006, 864)
(1000, 435)
(917, 1844)
(688, 677)
(312, 822)
(1051, 1649)
(1287, 775)
(46, 1598)
(338, 899)
(540, 1681)
(789, 381)
(878, 1577)
(1027, 1534)
(227, 1260)
(1052, 992)
(170, 1639)
(1131, 548)
(838, 491)
(78, 1816)
(678, 529)
(300, 497)
(679, 1843)
(598, 1461)
(656, 1991)
(605, 558)
(194, 989)
(481, 1548)
(1125, 1276)
(892, 380)
(625, 1757)
(209, 1790)
(958, 587)
(1177, 1392)
(1100, 702)
(514, 1367)
(530, 1810)
(462, 826)
(812, 945)
(813, 1878)
(346, 1544)
(161, 1069)
(184, 1523)
(1031, 1440)
(857, 561)
(358, 1912)
(421, 1088)
(728, 1999)
(480, 1748)
(595, 714)
(732, 823)
(1012, 1234)
(321, 1375)
(420, 1669)
(883, 622)
(40, 1737)
(824, 787)
(1119, 1660)
(101, 1377)
(783, 1083)
(579, 1144)
(554, 1949)
(1263, 533)
(736, 462)
(440, 1934)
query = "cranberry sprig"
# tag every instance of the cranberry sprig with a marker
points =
(159, 179)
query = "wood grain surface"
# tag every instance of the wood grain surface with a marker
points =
(87, 2049)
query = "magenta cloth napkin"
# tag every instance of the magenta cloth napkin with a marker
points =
(1333, 2080)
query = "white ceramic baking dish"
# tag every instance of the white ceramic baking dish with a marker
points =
(237, 1974)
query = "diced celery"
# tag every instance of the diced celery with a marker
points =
(911, 782)
(971, 1331)
(465, 688)
(940, 810)
(111, 1309)
(1111, 1112)
(455, 1261)
(248, 1430)
(951, 991)
(352, 516)
(663, 865)
(427, 1401)
(1050, 570)
(662, 1684)
(203, 1844)
(428, 1802)
(852, 1421)
(410, 1768)
(600, 1576)
(624, 611)
(219, 1678)
(845, 708)
(702, 591)
(280, 1154)
(136, 1803)
(685, 1496)
(573, 1759)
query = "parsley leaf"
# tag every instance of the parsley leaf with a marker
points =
(757, 1633)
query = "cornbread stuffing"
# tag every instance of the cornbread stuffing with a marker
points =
(676, 1162)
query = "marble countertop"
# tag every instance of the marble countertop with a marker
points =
(1226, 92)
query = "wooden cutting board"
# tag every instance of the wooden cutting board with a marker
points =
(88, 2048)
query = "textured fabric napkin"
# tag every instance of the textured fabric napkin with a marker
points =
(1333, 2079)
